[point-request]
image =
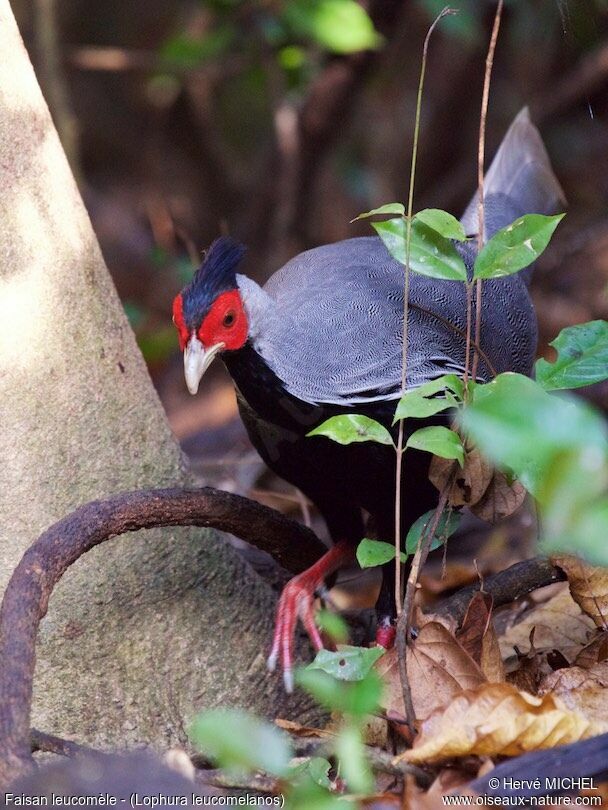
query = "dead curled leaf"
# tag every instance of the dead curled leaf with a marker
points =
(486, 491)
(478, 637)
(439, 668)
(470, 482)
(594, 652)
(498, 720)
(559, 624)
(588, 586)
(582, 690)
(500, 499)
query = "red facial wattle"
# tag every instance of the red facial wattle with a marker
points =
(226, 322)
(178, 320)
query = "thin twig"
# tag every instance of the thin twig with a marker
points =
(406, 295)
(480, 163)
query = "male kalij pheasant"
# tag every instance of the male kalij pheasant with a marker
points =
(324, 337)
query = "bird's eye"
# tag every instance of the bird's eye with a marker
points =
(229, 319)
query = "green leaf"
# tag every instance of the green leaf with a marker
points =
(375, 552)
(448, 523)
(237, 740)
(582, 357)
(341, 26)
(588, 537)
(518, 425)
(347, 663)
(516, 246)
(431, 254)
(317, 768)
(352, 427)
(390, 208)
(332, 625)
(356, 698)
(354, 767)
(440, 441)
(418, 404)
(442, 222)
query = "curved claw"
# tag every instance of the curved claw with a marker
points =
(297, 602)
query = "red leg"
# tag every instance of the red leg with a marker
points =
(297, 602)
(385, 633)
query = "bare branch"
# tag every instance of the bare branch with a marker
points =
(504, 587)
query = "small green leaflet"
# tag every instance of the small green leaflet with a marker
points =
(341, 26)
(376, 552)
(582, 357)
(397, 209)
(354, 767)
(445, 224)
(516, 246)
(518, 425)
(353, 427)
(418, 403)
(237, 740)
(356, 698)
(431, 254)
(440, 441)
(317, 768)
(332, 625)
(347, 663)
(448, 523)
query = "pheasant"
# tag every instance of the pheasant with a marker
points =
(324, 337)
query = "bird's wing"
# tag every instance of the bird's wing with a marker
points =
(335, 334)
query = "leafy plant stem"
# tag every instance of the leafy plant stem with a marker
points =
(408, 237)
(480, 162)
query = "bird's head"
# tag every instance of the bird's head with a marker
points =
(209, 314)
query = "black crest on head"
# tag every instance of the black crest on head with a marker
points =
(217, 274)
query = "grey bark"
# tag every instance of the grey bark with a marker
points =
(139, 634)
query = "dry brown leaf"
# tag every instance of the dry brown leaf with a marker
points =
(499, 720)
(582, 690)
(500, 499)
(588, 586)
(438, 669)
(478, 637)
(560, 624)
(593, 653)
(470, 482)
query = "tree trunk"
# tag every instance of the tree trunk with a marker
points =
(143, 631)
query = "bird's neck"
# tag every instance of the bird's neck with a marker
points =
(263, 391)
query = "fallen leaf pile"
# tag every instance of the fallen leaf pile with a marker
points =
(542, 682)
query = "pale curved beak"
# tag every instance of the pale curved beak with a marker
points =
(197, 360)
